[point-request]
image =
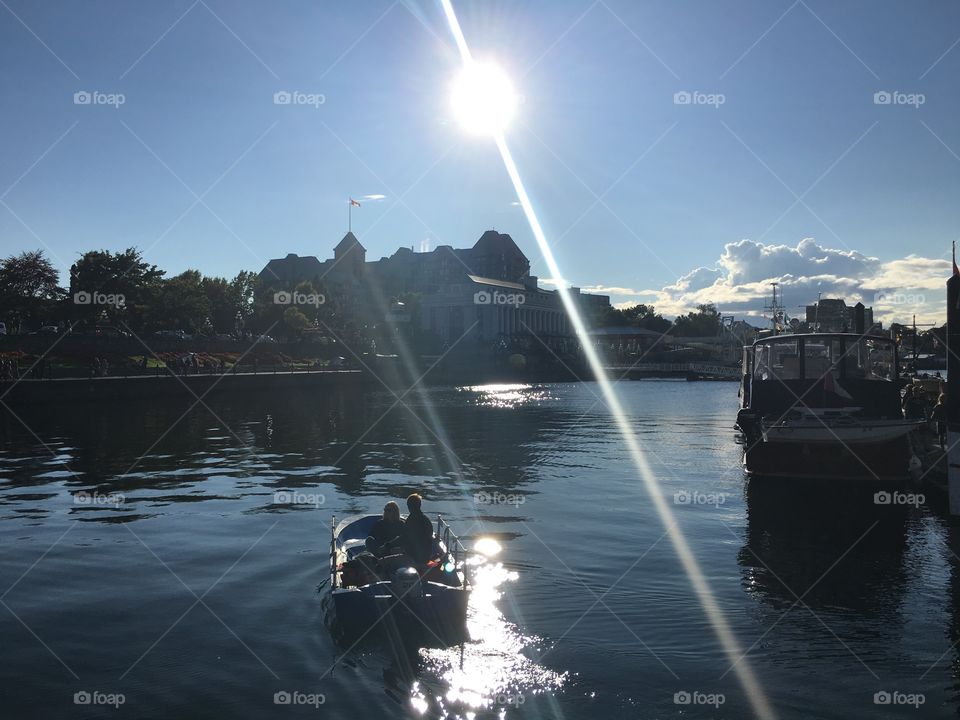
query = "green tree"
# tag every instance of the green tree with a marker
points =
(183, 304)
(123, 275)
(705, 322)
(29, 289)
(295, 320)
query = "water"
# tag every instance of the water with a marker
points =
(196, 594)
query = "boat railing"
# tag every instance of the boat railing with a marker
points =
(333, 552)
(451, 542)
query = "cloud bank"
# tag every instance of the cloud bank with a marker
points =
(739, 282)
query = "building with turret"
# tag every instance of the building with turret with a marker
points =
(485, 291)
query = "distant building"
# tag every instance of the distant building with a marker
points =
(834, 315)
(485, 291)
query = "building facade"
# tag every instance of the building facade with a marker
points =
(484, 293)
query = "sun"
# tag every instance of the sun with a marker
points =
(483, 98)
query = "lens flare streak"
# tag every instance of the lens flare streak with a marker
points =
(748, 680)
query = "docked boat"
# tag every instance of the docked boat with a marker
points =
(429, 600)
(824, 405)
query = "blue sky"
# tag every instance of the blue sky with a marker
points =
(877, 182)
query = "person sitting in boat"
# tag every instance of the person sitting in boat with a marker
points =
(386, 537)
(417, 531)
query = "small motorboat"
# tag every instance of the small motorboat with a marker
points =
(430, 600)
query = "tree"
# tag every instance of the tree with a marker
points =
(295, 320)
(183, 304)
(705, 322)
(103, 275)
(29, 288)
(640, 315)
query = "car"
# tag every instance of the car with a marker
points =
(171, 334)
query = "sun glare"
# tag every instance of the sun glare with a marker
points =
(483, 99)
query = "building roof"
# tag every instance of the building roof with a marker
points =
(498, 283)
(349, 241)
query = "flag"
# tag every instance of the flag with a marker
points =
(354, 203)
(833, 386)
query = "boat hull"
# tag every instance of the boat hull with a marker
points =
(887, 461)
(436, 611)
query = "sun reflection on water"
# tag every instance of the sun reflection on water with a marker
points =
(507, 396)
(491, 675)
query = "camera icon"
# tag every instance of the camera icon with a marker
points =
(282, 298)
(282, 498)
(282, 698)
(882, 97)
(482, 298)
(682, 98)
(82, 498)
(882, 498)
(682, 497)
(880, 298)
(82, 298)
(82, 97)
(882, 698)
(282, 97)
(681, 698)
(81, 698)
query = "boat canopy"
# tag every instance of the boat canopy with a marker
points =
(846, 356)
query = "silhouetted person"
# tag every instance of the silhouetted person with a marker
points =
(417, 532)
(385, 537)
(939, 415)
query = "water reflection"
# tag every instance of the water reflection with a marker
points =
(491, 673)
(827, 543)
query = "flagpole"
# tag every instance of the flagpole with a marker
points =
(350, 215)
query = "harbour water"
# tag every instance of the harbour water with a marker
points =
(175, 560)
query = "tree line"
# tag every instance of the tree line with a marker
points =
(123, 291)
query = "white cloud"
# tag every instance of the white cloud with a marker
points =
(374, 197)
(739, 282)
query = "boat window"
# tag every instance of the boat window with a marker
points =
(821, 355)
(779, 359)
(870, 359)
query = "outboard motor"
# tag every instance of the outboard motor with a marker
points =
(406, 581)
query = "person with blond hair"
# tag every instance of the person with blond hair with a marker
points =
(386, 536)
